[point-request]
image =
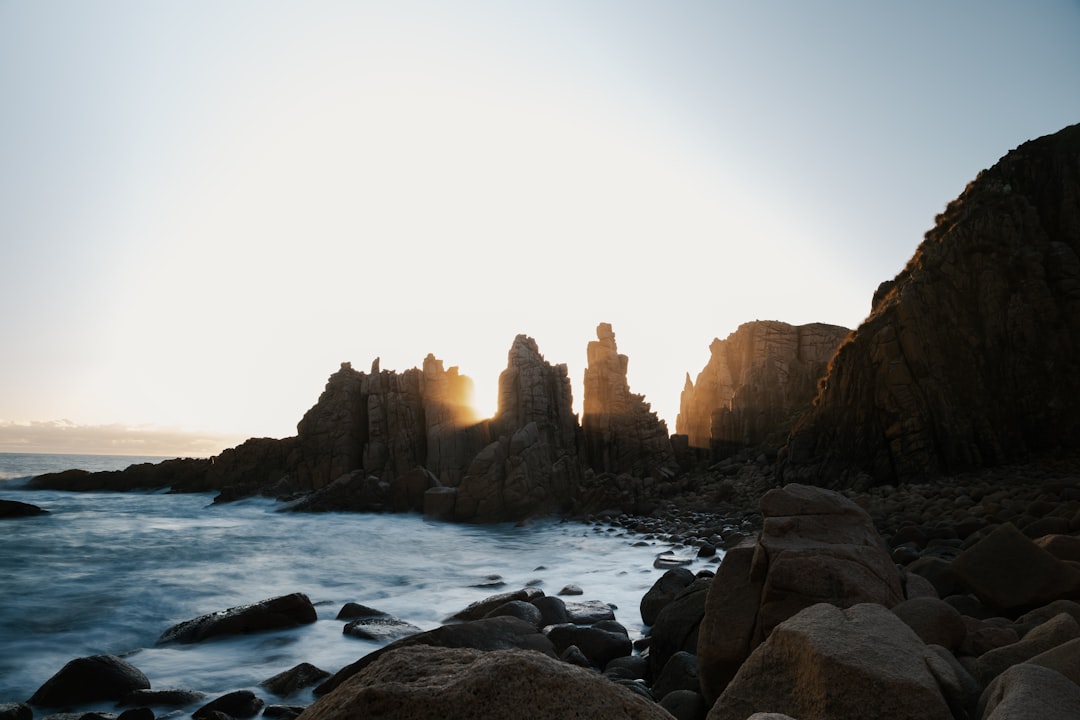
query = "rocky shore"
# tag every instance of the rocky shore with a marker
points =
(956, 600)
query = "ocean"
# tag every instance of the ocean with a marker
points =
(109, 572)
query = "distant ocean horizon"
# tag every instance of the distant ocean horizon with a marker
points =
(16, 467)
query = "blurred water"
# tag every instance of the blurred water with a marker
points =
(109, 572)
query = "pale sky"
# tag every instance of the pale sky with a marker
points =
(205, 207)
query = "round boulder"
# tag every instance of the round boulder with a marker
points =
(90, 679)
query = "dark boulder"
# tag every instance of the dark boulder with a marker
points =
(16, 509)
(296, 678)
(663, 592)
(90, 679)
(276, 613)
(239, 704)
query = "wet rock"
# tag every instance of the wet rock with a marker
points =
(381, 628)
(15, 711)
(296, 678)
(552, 610)
(589, 612)
(283, 712)
(16, 509)
(571, 590)
(482, 607)
(239, 704)
(679, 673)
(677, 625)
(351, 611)
(598, 645)
(662, 592)
(520, 609)
(163, 698)
(281, 612)
(90, 679)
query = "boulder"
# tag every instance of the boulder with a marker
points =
(662, 592)
(1056, 631)
(162, 698)
(1030, 692)
(16, 711)
(16, 509)
(520, 609)
(238, 704)
(1063, 547)
(1065, 658)
(826, 663)
(296, 678)
(600, 646)
(726, 633)
(679, 673)
(933, 620)
(91, 679)
(482, 607)
(677, 626)
(460, 684)
(685, 705)
(1006, 570)
(380, 628)
(276, 613)
(487, 634)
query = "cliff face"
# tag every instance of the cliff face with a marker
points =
(755, 383)
(622, 434)
(971, 355)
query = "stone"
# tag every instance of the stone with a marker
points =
(520, 609)
(1007, 570)
(588, 612)
(281, 612)
(990, 300)
(296, 678)
(933, 620)
(826, 663)
(755, 383)
(685, 705)
(380, 628)
(662, 592)
(487, 634)
(1065, 658)
(598, 645)
(162, 698)
(482, 607)
(621, 432)
(463, 684)
(571, 590)
(1056, 631)
(238, 704)
(16, 509)
(678, 673)
(16, 711)
(552, 610)
(85, 680)
(1030, 692)
(351, 611)
(677, 626)
(726, 633)
(1063, 547)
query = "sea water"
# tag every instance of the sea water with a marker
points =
(109, 572)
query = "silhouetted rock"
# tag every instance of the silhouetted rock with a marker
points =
(756, 382)
(16, 509)
(90, 679)
(532, 467)
(296, 678)
(182, 472)
(238, 704)
(621, 433)
(280, 612)
(971, 356)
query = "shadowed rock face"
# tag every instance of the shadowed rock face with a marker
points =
(756, 381)
(971, 356)
(622, 434)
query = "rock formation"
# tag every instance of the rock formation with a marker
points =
(971, 356)
(533, 466)
(756, 381)
(622, 434)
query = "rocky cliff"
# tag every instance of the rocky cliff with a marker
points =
(622, 434)
(971, 355)
(756, 381)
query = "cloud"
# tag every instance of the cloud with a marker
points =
(64, 436)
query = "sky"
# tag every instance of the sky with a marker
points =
(206, 207)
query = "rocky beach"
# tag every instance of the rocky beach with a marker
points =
(893, 512)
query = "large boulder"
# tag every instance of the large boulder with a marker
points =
(662, 592)
(466, 684)
(678, 625)
(276, 613)
(970, 357)
(1030, 692)
(487, 634)
(97, 678)
(1007, 570)
(16, 509)
(1052, 633)
(815, 546)
(756, 383)
(826, 663)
